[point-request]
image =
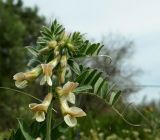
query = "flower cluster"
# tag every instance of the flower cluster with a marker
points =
(22, 78)
(66, 95)
(54, 67)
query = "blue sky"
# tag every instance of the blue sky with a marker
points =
(136, 19)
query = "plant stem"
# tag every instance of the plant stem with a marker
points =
(49, 121)
(49, 118)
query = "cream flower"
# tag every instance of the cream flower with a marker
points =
(66, 93)
(22, 78)
(41, 109)
(70, 113)
(47, 71)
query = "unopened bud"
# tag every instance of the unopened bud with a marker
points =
(70, 46)
(55, 61)
(62, 75)
(56, 50)
(52, 44)
(63, 61)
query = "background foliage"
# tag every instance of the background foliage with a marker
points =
(19, 27)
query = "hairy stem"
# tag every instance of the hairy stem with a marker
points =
(49, 121)
(49, 118)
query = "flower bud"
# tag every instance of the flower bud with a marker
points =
(56, 50)
(52, 44)
(63, 61)
(70, 46)
(55, 61)
(62, 75)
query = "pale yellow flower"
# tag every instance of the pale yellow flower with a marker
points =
(22, 78)
(66, 92)
(47, 71)
(71, 113)
(41, 109)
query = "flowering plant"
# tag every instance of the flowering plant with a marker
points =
(55, 64)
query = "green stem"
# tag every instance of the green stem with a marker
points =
(49, 118)
(49, 121)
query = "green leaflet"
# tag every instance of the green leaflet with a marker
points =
(32, 50)
(80, 79)
(100, 86)
(82, 88)
(114, 97)
(33, 63)
(74, 66)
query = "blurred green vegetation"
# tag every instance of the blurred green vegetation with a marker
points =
(19, 26)
(107, 125)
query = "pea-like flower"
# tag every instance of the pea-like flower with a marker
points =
(66, 92)
(41, 109)
(71, 113)
(22, 78)
(47, 71)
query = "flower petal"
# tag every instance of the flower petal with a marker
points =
(40, 116)
(71, 98)
(70, 121)
(19, 76)
(49, 81)
(43, 80)
(76, 112)
(32, 105)
(38, 107)
(21, 84)
(47, 100)
(70, 86)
